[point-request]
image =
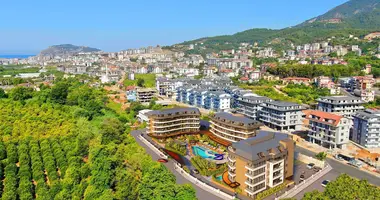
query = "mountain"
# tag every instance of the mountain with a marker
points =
(358, 17)
(66, 49)
(354, 14)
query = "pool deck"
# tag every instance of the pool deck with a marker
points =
(218, 162)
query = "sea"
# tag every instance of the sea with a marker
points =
(15, 56)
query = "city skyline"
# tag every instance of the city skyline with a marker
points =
(121, 25)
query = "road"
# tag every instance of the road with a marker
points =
(332, 175)
(341, 168)
(201, 194)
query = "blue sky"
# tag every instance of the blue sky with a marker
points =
(28, 26)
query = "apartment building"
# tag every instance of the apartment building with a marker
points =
(366, 129)
(281, 115)
(145, 95)
(345, 106)
(217, 101)
(165, 87)
(261, 162)
(250, 105)
(362, 87)
(173, 122)
(233, 128)
(328, 130)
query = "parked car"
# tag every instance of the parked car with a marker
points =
(317, 169)
(325, 182)
(162, 160)
(302, 177)
(310, 165)
(195, 171)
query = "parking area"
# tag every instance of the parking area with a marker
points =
(302, 172)
(332, 175)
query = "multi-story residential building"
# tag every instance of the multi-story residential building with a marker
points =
(165, 87)
(145, 95)
(362, 87)
(366, 130)
(233, 128)
(345, 106)
(249, 105)
(261, 162)
(173, 122)
(217, 101)
(281, 115)
(328, 130)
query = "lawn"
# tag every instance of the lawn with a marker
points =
(149, 80)
(14, 70)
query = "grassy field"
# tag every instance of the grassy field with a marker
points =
(14, 70)
(149, 80)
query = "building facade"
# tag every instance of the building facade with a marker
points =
(173, 122)
(366, 130)
(341, 105)
(233, 128)
(145, 95)
(250, 105)
(281, 115)
(328, 130)
(261, 162)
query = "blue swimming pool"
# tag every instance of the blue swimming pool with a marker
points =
(206, 153)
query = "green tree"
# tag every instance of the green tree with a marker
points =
(59, 92)
(2, 94)
(321, 156)
(140, 82)
(21, 93)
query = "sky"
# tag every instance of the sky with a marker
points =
(27, 27)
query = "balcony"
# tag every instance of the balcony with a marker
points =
(231, 173)
(231, 166)
(231, 159)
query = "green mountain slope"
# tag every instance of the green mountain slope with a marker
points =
(357, 17)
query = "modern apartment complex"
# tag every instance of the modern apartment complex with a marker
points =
(366, 130)
(233, 128)
(173, 122)
(202, 98)
(261, 162)
(145, 95)
(345, 106)
(249, 105)
(328, 130)
(281, 115)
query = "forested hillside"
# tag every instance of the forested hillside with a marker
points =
(64, 143)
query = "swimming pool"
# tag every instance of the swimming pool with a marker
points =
(219, 178)
(206, 153)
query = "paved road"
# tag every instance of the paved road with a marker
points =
(343, 168)
(201, 194)
(317, 184)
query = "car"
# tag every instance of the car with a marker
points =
(325, 182)
(317, 169)
(302, 177)
(310, 165)
(195, 171)
(162, 160)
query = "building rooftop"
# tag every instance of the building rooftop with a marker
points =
(174, 111)
(368, 114)
(263, 144)
(340, 98)
(324, 117)
(236, 119)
